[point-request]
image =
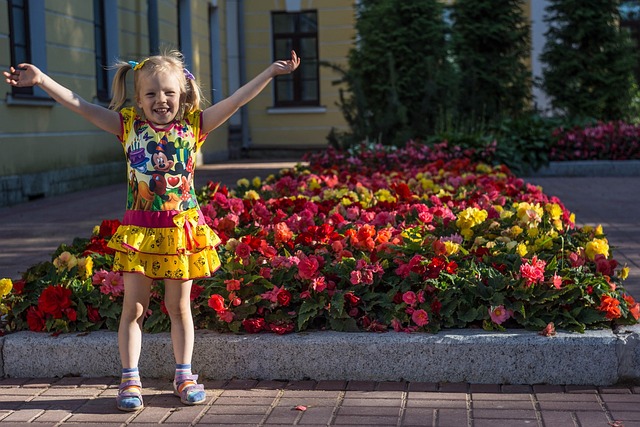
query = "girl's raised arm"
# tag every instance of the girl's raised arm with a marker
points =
(215, 115)
(26, 75)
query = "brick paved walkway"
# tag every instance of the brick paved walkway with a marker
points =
(90, 402)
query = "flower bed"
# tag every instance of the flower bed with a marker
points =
(599, 141)
(373, 239)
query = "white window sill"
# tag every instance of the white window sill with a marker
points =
(296, 110)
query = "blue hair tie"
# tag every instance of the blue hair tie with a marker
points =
(188, 74)
(133, 64)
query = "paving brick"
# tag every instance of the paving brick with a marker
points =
(270, 385)
(331, 385)
(13, 382)
(371, 402)
(240, 384)
(452, 418)
(558, 419)
(436, 403)
(285, 416)
(316, 416)
(242, 401)
(250, 393)
(502, 404)
(239, 409)
(292, 402)
(592, 419)
(388, 411)
(505, 422)
(23, 416)
(630, 398)
(364, 420)
(226, 420)
(152, 413)
(361, 385)
(373, 394)
(391, 386)
(436, 395)
(548, 388)
(615, 390)
(484, 388)
(184, 415)
(326, 394)
(453, 387)
(581, 389)
(301, 385)
(500, 396)
(516, 388)
(567, 397)
(625, 415)
(512, 414)
(422, 387)
(570, 406)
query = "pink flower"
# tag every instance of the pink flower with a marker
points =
(308, 266)
(243, 250)
(420, 317)
(356, 277)
(498, 314)
(409, 298)
(226, 316)
(557, 281)
(318, 284)
(533, 272)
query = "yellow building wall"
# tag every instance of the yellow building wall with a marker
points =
(336, 33)
(42, 138)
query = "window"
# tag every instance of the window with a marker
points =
(19, 30)
(297, 31)
(106, 41)
(27, 41)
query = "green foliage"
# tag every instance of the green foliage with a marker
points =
(400, 79)
(589, 61)
(491, 44)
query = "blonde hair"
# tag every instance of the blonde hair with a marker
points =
(171, 61)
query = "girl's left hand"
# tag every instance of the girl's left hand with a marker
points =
(286, 67)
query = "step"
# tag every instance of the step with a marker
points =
(598, 357)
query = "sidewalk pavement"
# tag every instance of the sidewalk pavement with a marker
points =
(30, 232)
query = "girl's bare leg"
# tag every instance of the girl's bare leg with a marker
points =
(137, 289)
(177, 299)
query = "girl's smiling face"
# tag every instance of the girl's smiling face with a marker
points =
(159, 97)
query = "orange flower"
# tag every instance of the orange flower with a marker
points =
(634, 307)
(610, 306)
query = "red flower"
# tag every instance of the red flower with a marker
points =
(634, 307)
(243, 250)
(284, 297)
(93, 314)
(108, 227)
(217, 303)
(72, 315)
(18, 287)
(281, 328)
(54, 299)
(351, 298)
(420, 317)
(253, 326)
(196, 290)
(35, 319)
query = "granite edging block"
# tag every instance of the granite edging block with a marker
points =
(522, 357)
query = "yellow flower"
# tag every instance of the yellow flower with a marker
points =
(529, 213)
(251, 195)
(451, 247)
(314, 184)
(515, 231)
(5, 286)
(624, 273)
(85, 267)
(532, 232)
(65, 261)
(471, 217)
(554, 210)
(595, 247)
(598, 231)
(243, 182)
(506, 214)
(346, 201)
(522, 249)
(385, 195)
(256, 182)
(96, 230)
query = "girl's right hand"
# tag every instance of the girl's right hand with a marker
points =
(24, 76)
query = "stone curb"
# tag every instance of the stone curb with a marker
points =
(514, 357)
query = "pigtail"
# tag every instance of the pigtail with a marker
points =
(194, 95)
(119, 85)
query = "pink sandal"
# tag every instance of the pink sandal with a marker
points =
(129, 398)
(188, 389)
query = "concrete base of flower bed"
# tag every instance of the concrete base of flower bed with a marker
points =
(597, 168)
(513, 357)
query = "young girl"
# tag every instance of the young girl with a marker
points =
(163, 235)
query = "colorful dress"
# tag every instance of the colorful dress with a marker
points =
(163, 233)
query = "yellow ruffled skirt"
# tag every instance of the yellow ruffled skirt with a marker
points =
(185, 250)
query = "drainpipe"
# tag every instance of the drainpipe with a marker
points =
(244, 111)
(234, 140)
